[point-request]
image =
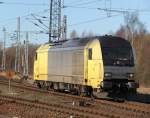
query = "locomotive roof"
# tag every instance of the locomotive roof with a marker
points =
(113, 41)
(106, 41)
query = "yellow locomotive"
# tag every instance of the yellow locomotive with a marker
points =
(86, 64)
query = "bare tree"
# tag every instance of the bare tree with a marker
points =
(87, 34)
(73, 34)
(1, 45)
(121, 32)
(83, 34)
(134, 26)
(90, 34)
(137, 30)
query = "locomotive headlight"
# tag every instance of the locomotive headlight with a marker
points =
(130, 75)
(107, 74)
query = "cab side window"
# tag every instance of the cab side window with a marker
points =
(35, 56)
(90, 53)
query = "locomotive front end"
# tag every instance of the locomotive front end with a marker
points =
(119, 64)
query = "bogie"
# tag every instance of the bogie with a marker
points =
(65, 87)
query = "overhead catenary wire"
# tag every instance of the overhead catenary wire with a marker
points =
(76, 2)
(77, 5)
(105, 9)
(24, 4)
(24, 16)
(40, 21)
(82, 22)
(33, 19)
(93, 20)
(86, 3)
(85, 22)
(38, 25)
(43, 4)
(41, 16)
(80, 4)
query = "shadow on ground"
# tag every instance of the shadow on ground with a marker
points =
(139, 97)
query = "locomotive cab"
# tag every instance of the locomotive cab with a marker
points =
(119, 64)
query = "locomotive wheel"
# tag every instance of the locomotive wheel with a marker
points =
(39, 85)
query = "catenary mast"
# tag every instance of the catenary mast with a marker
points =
(55, 20)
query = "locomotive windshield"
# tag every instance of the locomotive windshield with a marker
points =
(118, 56)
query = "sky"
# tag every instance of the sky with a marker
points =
(82, 16)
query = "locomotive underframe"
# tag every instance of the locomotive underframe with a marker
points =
(110, 86)
(116, 85)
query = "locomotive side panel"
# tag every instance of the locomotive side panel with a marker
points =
(66, 65)
(40, 63)
(94, 62)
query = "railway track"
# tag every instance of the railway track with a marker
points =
(69, 110)
(127, 108)
(131, 110)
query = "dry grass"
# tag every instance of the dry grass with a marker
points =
(144, 90)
